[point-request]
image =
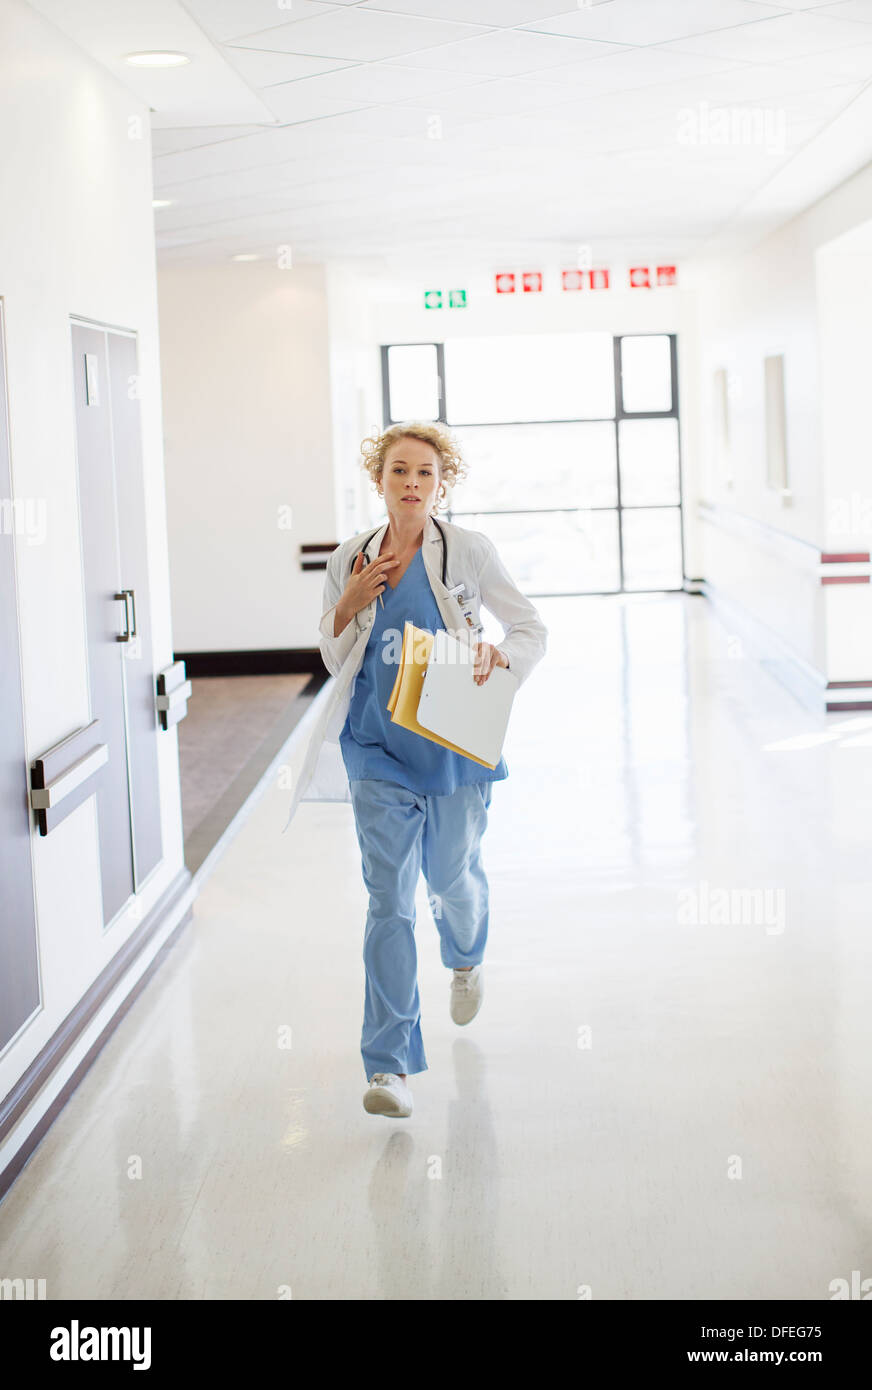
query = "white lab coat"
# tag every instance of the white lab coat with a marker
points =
(473, 561)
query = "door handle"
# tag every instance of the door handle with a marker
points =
(125, 635)
(133, 606)
(128, 630)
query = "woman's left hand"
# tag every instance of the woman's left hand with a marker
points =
(486, 658)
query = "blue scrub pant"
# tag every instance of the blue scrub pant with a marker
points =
(399, 832)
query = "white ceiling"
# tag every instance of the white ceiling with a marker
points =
(411, 132)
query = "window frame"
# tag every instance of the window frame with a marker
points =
(620, 414)
(386, 384)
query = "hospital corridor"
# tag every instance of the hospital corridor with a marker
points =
(435, 670)
(576, 1136)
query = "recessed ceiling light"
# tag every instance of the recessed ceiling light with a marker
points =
(161, 202)
(245, 256)
(156, 60)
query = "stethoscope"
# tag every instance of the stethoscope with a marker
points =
(362, 550)
(458, 591)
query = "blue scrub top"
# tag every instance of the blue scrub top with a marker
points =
(373, 746)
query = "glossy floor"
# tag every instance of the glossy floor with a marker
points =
(665, 1095)
(228, 719)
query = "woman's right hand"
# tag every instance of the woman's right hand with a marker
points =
(365, 583)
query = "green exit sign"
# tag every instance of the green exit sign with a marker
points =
(434, 299)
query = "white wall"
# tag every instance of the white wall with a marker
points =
(247, 433)
(355, 392)
(760, 551)
(844, 286)
(76, 237)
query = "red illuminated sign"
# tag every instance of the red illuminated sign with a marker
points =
(531, 282)
(578, 279)
(640, 276)
(505, 283)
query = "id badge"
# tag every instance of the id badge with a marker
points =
(467, 608)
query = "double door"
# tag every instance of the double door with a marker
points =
(118, 612)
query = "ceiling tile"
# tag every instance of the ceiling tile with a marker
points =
(441, 78)
(363, 35)
(821, 105)
(298, 101)
(398, 122)
(172, 139)
(227, 19)
(507, 94)
(838, 65)
(860, 10)
(546, 142)
(381, 83)
(775, 40)
(290, 176)
(263, 228)
(511, 51)
(264, 68)
(792, 4)
(635, 67)
(247, 152)
(210, 215)
(502, 13)
(652, 21)
(768, 82)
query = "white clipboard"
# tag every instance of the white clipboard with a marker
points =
(474, 717)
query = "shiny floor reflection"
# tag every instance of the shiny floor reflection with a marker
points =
(665, 1095)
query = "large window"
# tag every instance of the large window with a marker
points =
(572, 445)
(541, 376)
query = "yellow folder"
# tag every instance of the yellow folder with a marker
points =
(403, 702)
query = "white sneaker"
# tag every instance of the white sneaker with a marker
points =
(467, 988)
(388, 1094)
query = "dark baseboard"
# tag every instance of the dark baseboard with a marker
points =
(268, 662)
(26, 1089)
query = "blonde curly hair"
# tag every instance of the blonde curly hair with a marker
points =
(452, 469)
